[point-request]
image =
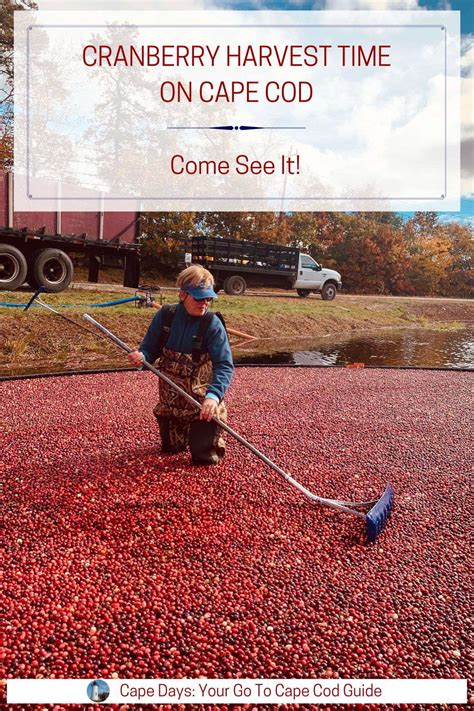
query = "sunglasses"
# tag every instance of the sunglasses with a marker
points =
(207, 299)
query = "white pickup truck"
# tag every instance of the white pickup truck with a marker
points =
(313, 277)
(236, 264)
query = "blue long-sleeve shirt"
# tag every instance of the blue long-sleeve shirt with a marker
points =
(183, 328)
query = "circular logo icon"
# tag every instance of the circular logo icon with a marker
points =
(98, 690)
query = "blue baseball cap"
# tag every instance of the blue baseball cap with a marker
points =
(201, 292)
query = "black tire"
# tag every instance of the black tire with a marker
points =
(235, 285)
(329, 291)
(13, 268)
(303, 293)
(53, 269)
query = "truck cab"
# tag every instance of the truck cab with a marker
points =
(311, 276)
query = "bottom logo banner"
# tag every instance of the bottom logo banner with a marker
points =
(231, 691)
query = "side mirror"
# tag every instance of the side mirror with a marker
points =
(317, 268)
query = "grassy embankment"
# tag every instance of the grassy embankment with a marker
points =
(38, 340)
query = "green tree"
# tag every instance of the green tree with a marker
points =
(123, 127)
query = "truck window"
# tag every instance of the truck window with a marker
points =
(308, 262)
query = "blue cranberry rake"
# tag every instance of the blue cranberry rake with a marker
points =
(377, 511)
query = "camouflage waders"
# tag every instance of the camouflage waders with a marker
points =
(178, 420)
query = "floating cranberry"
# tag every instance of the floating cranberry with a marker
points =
(122, 562)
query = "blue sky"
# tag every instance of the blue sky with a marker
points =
(466, 8)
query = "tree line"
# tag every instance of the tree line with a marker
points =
(376, 252)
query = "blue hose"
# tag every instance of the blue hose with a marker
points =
(82, 306)
(107, 303)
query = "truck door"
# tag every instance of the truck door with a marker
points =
(309, 274)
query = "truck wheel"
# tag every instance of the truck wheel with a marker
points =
(52, 268)
(13, 268)
(303, 293)
(329, 291)
(235, 285)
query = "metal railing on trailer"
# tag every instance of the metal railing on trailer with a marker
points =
(248, 255)
(27, 243)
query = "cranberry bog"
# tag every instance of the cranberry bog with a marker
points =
(125, 563)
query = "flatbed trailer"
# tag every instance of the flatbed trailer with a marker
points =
(236, 264)
(36, 247)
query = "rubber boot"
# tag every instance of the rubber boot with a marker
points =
(174, 434)
(164, 425)
(202, 436)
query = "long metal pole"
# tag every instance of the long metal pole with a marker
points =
(340, 506)
(35, 298)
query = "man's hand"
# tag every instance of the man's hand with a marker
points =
(209, 409)
(136, 358)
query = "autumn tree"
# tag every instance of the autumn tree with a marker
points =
(424, 224)
(316, 233)
(367, 248)
(359, 256)
(434, 249)
(458, 277)
(7, 8)
(268, 227)
(382, 218)
(393, 268)
(163, 235)
(377, 253)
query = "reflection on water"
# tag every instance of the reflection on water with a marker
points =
(414, 347)
(418, 348)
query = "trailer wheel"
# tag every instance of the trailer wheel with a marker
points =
(235, 285)
(303, 293)
(53, 269)
(329, 291)
(13, 267)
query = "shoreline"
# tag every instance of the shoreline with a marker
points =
(38, 340)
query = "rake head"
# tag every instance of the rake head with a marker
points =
(35, 295)
(377, 516)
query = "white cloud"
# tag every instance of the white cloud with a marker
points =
(467, 115)
(372, 5)
(467, 55)
(117, 5)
